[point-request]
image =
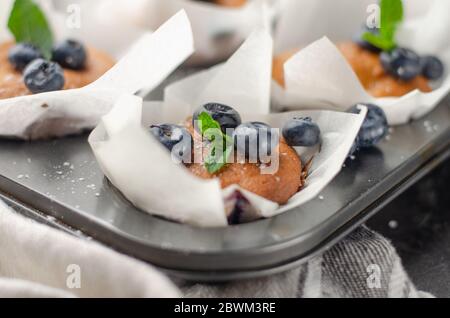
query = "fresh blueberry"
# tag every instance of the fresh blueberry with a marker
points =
(432, 67)
(268, 139)
(226, 116)
(374, 128)
(301, 132)
(22, 54)
(242, 209)
(70, 54)
(358, 39)
(42, 76)
(255, 140)
(176, 139)
(401, 63)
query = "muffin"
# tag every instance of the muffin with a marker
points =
(34, 63)
(384, 68)
(13, 85)
(278, 187)
(251, 170)
(367, 66)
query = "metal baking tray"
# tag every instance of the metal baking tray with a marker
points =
(58, 182)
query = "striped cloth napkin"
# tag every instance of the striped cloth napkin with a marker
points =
(39, 261)
(363, 265)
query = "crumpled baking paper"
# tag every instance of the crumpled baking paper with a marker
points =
(142, 169)
(86, 21)
(319, 77)
(218, 31)
(55, 114)
(89, 21)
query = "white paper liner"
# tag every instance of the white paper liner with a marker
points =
(85, 21)
(319, 77)
(218, 30)
(110, 31)
(243, 82)
(55, 114)
(143, 171)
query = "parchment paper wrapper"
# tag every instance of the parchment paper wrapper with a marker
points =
(55, 114)
(320, 77)
(144, 172)
(87, 22)
(218, 30)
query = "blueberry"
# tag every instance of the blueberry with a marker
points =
(226, 116)
(22, 54)
(358, 39)
(176, 139)
(432, 67)
(70, 54)
(255, 140)
(401, 63)
(301, 132)
(374, 128)
(242, 207)
(42, 76)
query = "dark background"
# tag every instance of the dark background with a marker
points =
(418, 223)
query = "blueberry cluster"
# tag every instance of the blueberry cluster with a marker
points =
(41, 75)
(253, 140)
(406, 65)
(403, 63)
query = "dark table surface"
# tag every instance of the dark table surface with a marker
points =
(418, 223)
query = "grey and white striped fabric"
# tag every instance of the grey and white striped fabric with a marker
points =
(36, 261)
(363, 265)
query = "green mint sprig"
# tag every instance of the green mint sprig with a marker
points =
(221, 144)
(28, 24)
(391, 17)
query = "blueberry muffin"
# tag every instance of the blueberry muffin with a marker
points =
(383, 67)
(367, 66)
(13, 71)
(34, 63)
(247, 147)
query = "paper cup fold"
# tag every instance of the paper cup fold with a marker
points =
(243, 82)
(60, 113)
(320, 77)
(144, 172)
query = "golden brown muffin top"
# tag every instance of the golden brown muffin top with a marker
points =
(367, 67)
(278, 187)
(12, 84)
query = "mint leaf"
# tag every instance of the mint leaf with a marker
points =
(391, 17)
(378, 41)
(214, 164)
(27, 22)
(206, 122)
(211, 130)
